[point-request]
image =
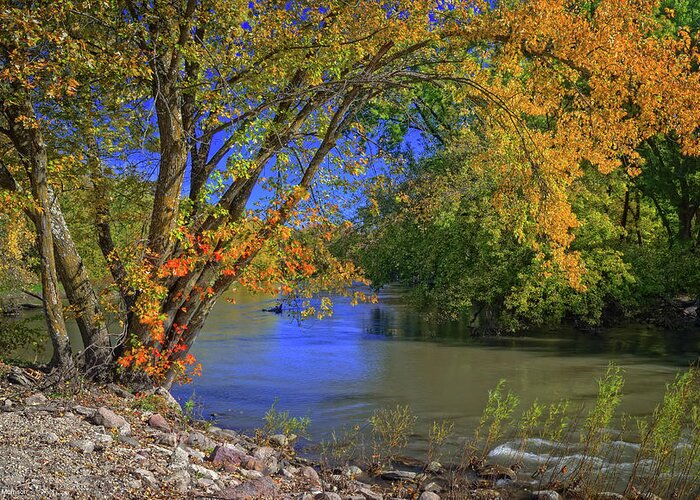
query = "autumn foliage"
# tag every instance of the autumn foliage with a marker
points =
(248, 123)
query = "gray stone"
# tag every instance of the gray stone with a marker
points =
(205, 482)
(434, 467)
(546, 495)
(352, 471)
(120, 391)
(167, 439)
(398, 475)
(110, 420)
(432, 486)
(169, 399)
(263, 452)
(36, 399)
(179, 459)
(272, 465)
(83, 410)
(48, 438)
(310, 474)
(103, 440)
(327, 495)
(279, 440)
(263, 487)
(122, 438)
(180, 481)
(7, 405)
(194, 453)
(222, 433)
(429, 495)
(251, 474)
(157, 421)
(199, 440)
(84, 445)
(201, 471)
(369, 494)
(148, 478)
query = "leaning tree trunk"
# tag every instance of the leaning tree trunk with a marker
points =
(81, 295)
(30, 144)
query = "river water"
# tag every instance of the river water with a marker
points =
(339, 370)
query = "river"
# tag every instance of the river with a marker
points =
(339, 370)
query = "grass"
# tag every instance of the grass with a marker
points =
(149, 402)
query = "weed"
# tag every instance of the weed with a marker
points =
(497, 414)
(391, 428)
(594, 433)
(670, 441)
(277, 422)
(584, 456)
(438, 434)
(342, 447)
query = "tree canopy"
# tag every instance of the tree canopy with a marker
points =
(234, 128)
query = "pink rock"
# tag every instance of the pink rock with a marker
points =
(110, 420)
(158, 422)
(228, 457)
(263, 487)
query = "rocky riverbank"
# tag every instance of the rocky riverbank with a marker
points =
(105, 442)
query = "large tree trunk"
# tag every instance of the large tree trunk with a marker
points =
(30, 144)
(81, 295)
(173, 159)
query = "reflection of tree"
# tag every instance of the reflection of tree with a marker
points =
(380, 322)
(400, 319)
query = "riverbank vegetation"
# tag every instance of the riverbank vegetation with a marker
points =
(466, 220)
(156, 154)
(598, 452)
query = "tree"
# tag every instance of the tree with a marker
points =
(251, 109)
